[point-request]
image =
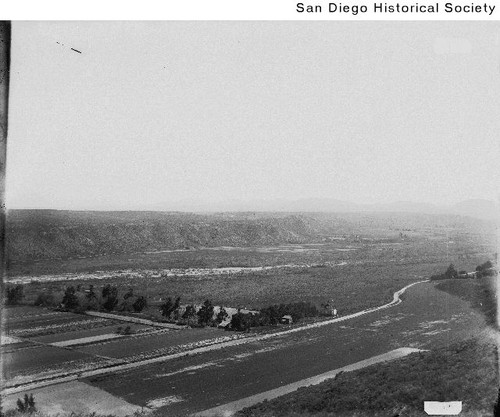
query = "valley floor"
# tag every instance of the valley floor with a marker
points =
(426, 319)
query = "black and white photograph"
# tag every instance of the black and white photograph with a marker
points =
(214, 218)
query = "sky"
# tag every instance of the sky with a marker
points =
(146, 114)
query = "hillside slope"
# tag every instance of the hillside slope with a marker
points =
(48, 234)
(51, 234)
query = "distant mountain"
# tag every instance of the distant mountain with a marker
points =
(50, 234)
(271, 205)
(407, 207)
(482, 209)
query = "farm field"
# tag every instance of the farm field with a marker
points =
(467, 369)
(355, 273)
(70, 343)
(98, 331)
(253, 278)
(203, 215)
(148, 343)
(427, 319)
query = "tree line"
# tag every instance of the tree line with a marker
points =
(109, 299)
(273, 315)
(76, 299)
(485, 269)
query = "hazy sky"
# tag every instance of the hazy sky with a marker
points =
(150, 113)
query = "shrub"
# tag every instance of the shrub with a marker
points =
(221, 315)
(243, 322)
(140, 304)
(14, 294)
(190, 315)
(169, 307)
(273, 314)
(26, 406)
(70, 300)
(45, 300)
(206, 313)
(111, 297)
(451, 272)
(486, 269)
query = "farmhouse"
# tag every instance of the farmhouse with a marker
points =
(287, 319)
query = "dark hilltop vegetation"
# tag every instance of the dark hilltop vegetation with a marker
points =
(51, 234)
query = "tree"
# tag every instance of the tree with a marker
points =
(221, 315)
(26, 406)
(70, 300)
(91, 294)
(45, 299)
(206, 313)
(106, 290)
(485, 269)
(111, 295)
(129, 293)
(177, 303)
(92, 300)
(496, 406)
(176, 308)
(190, 314)
(451, 272)
(15, 294)
(241, 321)
(140, 304)
(487, 265)
(167, 308)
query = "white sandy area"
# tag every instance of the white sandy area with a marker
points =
(73, 397)
(429, 324)
(84, 340)
(162, 273)
(188, 369)
(9, 340)
(434, 332)
(162, 402)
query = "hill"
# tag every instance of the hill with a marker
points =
(52, 234)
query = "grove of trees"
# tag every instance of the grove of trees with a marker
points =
(77, 298)
(108, 298)
(272, 315)
(485, 269)
(26, 405)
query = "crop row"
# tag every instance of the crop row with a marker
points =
(42, 372)
(185, 347)
(63, 327)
